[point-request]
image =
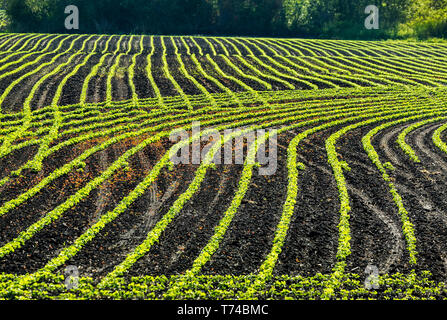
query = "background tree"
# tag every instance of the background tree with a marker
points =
(425, 19)
(293, 18)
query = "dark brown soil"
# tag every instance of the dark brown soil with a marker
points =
(312, 239)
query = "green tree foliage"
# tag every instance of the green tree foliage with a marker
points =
(340, 18)
(4, 21)
(294, 18)
(246, 17)
(113, 16)
(426, 19)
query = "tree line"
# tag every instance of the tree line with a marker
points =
(279, 18)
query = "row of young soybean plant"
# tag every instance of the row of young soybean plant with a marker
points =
(84, 192)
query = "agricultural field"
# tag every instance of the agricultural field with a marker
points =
(86, 176)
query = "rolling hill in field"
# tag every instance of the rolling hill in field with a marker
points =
(87, 181)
